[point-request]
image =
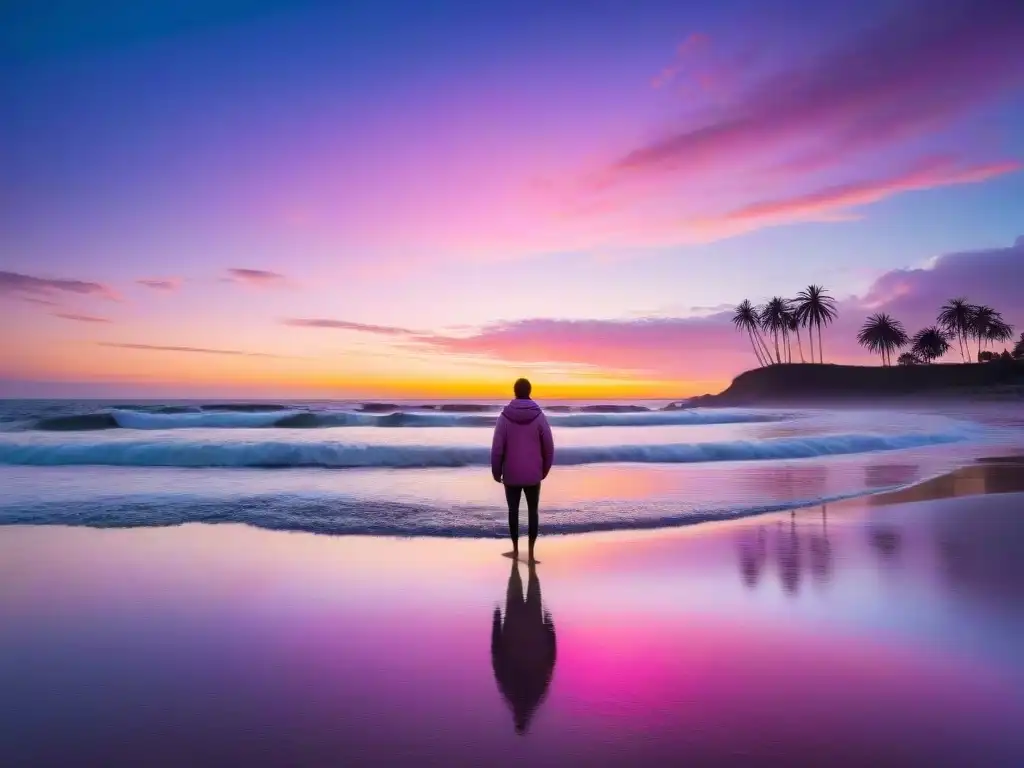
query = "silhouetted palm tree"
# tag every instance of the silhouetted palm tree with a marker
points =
(794, 327)
(881, 333)
(929, 344)
(985, 321)
(998, 331)
(1018, 348)
(747, 319)
(908, 358)
(765, 349)
(955, 318)
(775, 320)
(814, 307)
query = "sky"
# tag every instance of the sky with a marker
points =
(407, 199)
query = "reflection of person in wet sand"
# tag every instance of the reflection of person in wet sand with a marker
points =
(523, 648)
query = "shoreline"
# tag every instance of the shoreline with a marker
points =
(850, 634)
(996, 474)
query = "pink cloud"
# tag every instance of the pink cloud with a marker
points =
(992, 276)
(80, 318)
(346, 325)
(261, 278)
(835, 202)
(667, 347)
(168, 284)
(710, 349)
(809, 134)
(922, 68)
(15, 283)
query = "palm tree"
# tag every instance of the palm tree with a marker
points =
(981, 318)
(814, 307)
(955, 318)
(881, 333)
(1018, 348)
(908, 358)
(747, 319)
(786, 343)
(929, 344)
(794, 327)
(998, 331)
(775, 320)
(765, 350)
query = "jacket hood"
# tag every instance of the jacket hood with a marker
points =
(521, 411)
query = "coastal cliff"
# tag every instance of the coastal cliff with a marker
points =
(803, 382)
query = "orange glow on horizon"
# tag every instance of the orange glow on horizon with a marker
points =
(346, 374)
(439, 387)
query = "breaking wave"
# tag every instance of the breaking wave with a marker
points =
(225, 418)
(341, 455)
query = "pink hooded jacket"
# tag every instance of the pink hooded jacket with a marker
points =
(522, 450)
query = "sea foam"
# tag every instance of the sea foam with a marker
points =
(342, 455)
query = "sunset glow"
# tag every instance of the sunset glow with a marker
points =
(302, 199)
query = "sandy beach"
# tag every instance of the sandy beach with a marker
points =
(880, 631)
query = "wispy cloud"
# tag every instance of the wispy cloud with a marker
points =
(347, 325)
(920, 70)
(815, 128)
(261, 278)
(79, 318)
(644, 346)
(15, 283)
(192, 350)
(685, 51)
(167, 284)
(836, 202)
(40, 301)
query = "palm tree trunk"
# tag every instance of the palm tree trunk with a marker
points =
(778, 355)
(764, 346)
(821, 351)
(757, 352)
(810, 338)
(800, 345)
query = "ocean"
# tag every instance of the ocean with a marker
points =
(421, 468)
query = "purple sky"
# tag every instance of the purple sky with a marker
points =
(315, 198)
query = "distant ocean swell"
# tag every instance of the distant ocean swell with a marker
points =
(302, 419)
(340, 455)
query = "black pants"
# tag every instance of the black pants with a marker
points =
(512, 495)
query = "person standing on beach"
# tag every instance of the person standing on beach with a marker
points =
(521, 456)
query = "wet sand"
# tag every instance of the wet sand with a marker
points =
(885, 631)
